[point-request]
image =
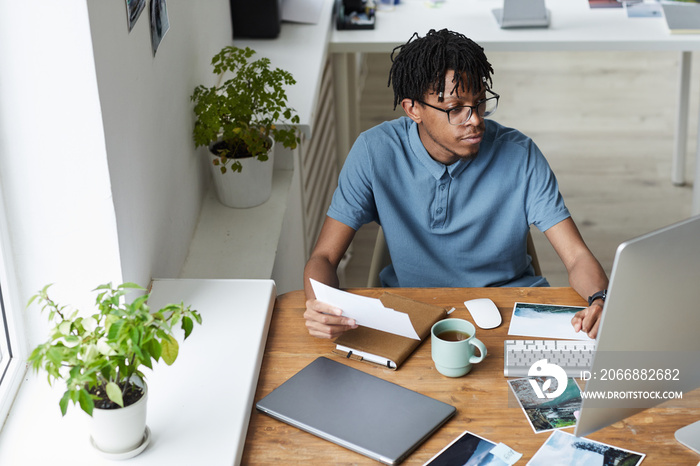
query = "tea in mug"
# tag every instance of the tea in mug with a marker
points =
(453, 335)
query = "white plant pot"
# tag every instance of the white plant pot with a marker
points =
(121, 433)
(250, 187)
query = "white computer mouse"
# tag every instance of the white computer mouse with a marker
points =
(484, 312)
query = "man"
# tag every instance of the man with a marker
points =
(455, 193)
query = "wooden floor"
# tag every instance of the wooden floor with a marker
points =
(604, 120)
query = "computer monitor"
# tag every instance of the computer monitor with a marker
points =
(648, 340)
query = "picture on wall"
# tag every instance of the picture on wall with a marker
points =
(160, 24)
(133, 11)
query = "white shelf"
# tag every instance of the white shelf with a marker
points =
(238, 243)
(242, 243)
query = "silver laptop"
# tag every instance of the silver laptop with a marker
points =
(682, 17)
(356, 410)
(650, 323)
(522, 14)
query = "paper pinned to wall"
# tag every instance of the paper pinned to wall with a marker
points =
(367, 312)
(302, 11)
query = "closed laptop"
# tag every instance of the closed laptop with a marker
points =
(356, 410)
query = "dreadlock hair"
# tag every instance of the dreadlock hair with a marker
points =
(421, 65)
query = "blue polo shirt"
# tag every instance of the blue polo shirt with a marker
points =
(458, 225)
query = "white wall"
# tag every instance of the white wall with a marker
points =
(158, 178)
(100, 179)
(53, 162)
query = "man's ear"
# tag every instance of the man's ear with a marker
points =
(412, 110)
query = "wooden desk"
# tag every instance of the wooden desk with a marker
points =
(481, 397)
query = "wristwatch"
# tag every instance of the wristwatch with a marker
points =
(602, 294)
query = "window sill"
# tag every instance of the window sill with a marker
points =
(238, 243)
(198, 409)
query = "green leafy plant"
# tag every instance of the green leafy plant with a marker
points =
(246, 112)
(98, 356)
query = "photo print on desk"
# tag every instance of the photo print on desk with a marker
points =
(638, 9)
(604, 4)
(133, 11)
(544, 321)
(546, 414)
(160, 24)
(564, 448)
(472, 450)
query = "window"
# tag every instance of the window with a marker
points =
(12, 365)
(5, 348)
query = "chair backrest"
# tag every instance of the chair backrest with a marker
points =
(381, 258)
(533, 254)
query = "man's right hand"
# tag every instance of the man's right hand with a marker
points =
(326, 321)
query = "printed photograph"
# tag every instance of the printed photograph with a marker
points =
(133, 11)
(160, 24)
(545, 414)
(467, 450)
(544, 321)
(564, 448)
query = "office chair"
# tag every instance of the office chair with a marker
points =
(381, 258)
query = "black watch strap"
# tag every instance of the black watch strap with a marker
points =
(602, 294)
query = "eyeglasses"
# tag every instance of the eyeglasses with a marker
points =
(457, 116)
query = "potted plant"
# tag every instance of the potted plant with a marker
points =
(240, 120)
(100, 358)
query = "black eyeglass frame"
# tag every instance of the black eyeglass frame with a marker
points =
(470, 107)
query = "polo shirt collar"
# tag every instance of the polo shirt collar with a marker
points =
(435, 168)
(458, 167)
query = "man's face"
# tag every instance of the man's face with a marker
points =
(447, 142)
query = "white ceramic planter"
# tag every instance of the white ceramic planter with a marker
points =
(120, 432)
(248, 188)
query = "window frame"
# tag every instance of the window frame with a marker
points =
(13, 365)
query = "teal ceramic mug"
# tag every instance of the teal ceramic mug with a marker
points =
(452, 347)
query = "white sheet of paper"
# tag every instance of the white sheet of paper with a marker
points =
(368, 312)
(302, 11)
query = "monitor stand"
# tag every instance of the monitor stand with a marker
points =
(690, 436)
(522, 14)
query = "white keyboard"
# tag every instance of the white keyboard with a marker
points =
(572, 356)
